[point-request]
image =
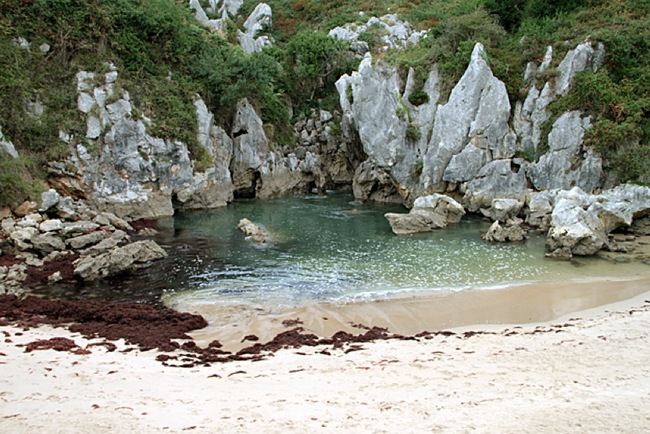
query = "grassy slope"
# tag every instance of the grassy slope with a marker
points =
(152, 40)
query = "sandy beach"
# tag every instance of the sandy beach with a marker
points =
(584, 372)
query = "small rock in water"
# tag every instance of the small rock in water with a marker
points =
(253, 231)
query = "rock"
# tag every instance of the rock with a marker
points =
(22, 237)
(503, 209)
(575, 229)
(78, 228)
(253, 232)
(47, 243)
(499, 179)
(259, 19)
(567, 164)
(55, 277)
(477, 111)
(250, 143)
(49, 199)
(375, 184)
(397, 33)
(118, 260)
(82, 241)
(510, 232)
(117, 238)
(539, 210)
(110, 219)
(27, 207)
(7, 146)
(428, 213)
(66, 208)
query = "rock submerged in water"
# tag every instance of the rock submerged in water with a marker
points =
(428, 213)
(254, 232)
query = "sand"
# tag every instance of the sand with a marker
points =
(585, 372)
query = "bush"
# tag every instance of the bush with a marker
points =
(313, 62)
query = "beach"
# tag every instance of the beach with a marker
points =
(586, 371)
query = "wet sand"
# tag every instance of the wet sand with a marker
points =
(534, 303)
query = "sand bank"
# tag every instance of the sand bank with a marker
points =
(571, 375)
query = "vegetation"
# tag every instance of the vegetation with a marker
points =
(165, 58)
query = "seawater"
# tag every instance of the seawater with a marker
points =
(333, 249)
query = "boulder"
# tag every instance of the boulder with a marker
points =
(27, 207)
(22, 237)
(82, 241)
(47, 243)
(118, 260)
(81, 227)
(428, 213)
(49, 199)
(511, 231)
(253, 232)
(539, 208)
(503, 209)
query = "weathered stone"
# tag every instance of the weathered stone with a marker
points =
(478, 111)
(499, 179)
(253, 232)
(110, 219)
(27, 207)
(375, 184)
(250, 142)
(22, 237)
(503, 209)
(567, 164)
(539, 210)
(82, 241)
(465, 166)
(428, 213)
(48, 243)
(7, 146)
(573, 227)
(78, 228)
(49, 199)
(511, 231)
(118, 260)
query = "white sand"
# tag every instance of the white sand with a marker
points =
(591, 377)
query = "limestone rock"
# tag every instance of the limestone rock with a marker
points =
(47, 243)
(499, 179)
(81, 241)
(567, 163)
(253, 232)
(477, 111)
(250, 143)
(118, 260)
(428, 213)
(503, 209)
(7, 146)
(539, 210)
(511, 231)
(49, 199)
(574, 229)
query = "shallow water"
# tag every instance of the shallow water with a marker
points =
(333, 249)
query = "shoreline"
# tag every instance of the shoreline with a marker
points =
(535, 303)
(573, 375)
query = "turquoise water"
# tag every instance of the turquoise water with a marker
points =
(331, 248)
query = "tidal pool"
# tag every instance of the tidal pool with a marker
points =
(334, 249)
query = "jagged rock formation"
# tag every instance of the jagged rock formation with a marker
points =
(511, 231)
(396, 33)
(474, 143)
(249, 39)
(253, 232)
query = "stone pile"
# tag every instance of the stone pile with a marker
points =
(62, 230)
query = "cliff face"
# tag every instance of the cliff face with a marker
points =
(472, 145)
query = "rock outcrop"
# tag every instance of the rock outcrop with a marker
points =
(57, 235)
(395, 33)
(511, 231)
(7, 146)
(580, 222)
(428, 213)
